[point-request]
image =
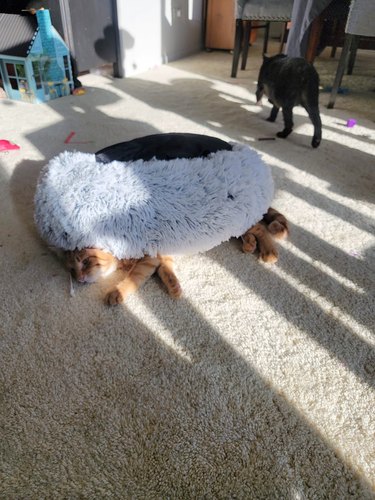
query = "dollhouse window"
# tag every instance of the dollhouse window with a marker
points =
(20, 68)
(17, 76)
(37, 74)
(66, 67)
(11, 70)
(14, 83)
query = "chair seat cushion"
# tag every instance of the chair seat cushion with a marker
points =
(264, 10)
(361, 18)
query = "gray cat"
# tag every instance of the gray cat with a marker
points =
(288, 82)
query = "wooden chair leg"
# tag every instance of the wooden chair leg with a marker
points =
(283, 37)
(246, 42)
(237, 47)
(314, 37)
(340, 70)
(266, 35)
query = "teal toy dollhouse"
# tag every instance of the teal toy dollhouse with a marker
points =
(34, 60)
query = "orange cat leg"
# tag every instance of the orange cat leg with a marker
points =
(266, 246)
(168, 277)
(249, 242)
(138, 274)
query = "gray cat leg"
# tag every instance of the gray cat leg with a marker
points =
(274, 113)
(288, 122)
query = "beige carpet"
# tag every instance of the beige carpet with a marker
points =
(259, 383)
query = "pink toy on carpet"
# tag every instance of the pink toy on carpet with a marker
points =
(7, 145)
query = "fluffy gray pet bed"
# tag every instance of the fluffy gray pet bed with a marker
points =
(136, 207)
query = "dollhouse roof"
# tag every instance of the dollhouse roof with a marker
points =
(17, 34)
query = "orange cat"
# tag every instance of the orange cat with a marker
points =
(90, 264)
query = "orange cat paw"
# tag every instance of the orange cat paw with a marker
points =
(278, 229)
(269, 256)
(170, 281)
(249, 243)
(175, 290)
(114, 297)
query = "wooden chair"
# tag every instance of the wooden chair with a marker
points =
(247, 11)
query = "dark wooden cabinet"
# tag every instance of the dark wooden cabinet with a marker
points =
(220, 24)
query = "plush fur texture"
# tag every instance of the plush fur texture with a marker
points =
(148, 207)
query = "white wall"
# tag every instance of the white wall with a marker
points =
(153, 32)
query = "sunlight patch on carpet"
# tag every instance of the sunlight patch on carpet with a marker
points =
(322, 267)
(253, 108)
(316, 185)
(214, 124)
(310, 404)
(146, 316)
(4, 172)
(339, 138)
(327, 306)
(334, 231)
